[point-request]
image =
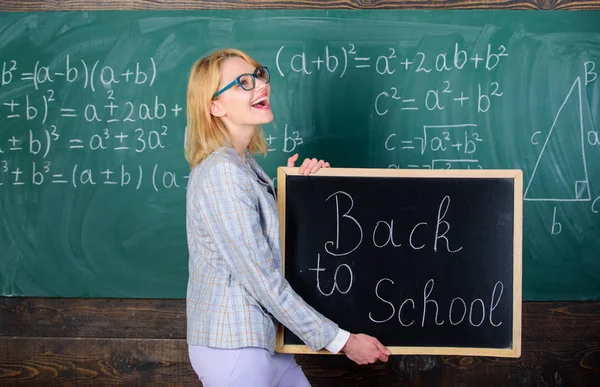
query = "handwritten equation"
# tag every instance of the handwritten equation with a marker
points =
(340, 60)
(438, 99)
(77, 176)
(91, 74)
(104, 112)
(461, 139)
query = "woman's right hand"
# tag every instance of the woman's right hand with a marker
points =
(365, 349)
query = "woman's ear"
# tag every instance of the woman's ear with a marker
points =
(216, 109)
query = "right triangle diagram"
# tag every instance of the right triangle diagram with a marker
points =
(560, 173)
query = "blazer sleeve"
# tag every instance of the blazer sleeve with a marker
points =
(227, 208)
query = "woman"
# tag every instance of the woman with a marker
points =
(236, 293)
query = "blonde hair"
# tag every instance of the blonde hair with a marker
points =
(206, 133)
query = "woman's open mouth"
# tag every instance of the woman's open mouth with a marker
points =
(261, 103)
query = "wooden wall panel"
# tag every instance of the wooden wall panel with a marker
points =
(165, 319)
(95, 317)
(75, 361)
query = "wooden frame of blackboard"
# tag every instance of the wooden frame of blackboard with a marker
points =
(515, 175)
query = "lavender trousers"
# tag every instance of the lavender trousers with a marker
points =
(245, 367)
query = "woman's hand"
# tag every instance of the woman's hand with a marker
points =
(365, 349)
(309, 166)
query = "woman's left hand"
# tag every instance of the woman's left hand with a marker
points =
(309, 166)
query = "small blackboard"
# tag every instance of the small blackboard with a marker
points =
(429, 262)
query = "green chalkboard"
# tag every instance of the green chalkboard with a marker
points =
(92, 118)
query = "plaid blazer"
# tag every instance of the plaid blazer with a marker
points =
(236, 291)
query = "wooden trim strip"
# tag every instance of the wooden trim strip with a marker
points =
(281, 191)
(84, 5)
(518, 264)
(416, 173)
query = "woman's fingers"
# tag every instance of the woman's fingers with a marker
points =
(310, 166)
(306, 166)
(292, 160)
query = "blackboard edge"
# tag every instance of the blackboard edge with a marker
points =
(281, 180)
(517, 262)
(514, 352)
(415, 173)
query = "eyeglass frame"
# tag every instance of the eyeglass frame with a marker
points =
(237, 81)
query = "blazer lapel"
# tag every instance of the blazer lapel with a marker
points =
(230, 153)
(262, 175)
(250, 166)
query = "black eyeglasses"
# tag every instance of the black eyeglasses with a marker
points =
(247, 81)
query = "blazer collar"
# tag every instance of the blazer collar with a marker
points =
(250, 166)
(229, 152)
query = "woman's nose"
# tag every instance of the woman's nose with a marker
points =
(260, 84)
